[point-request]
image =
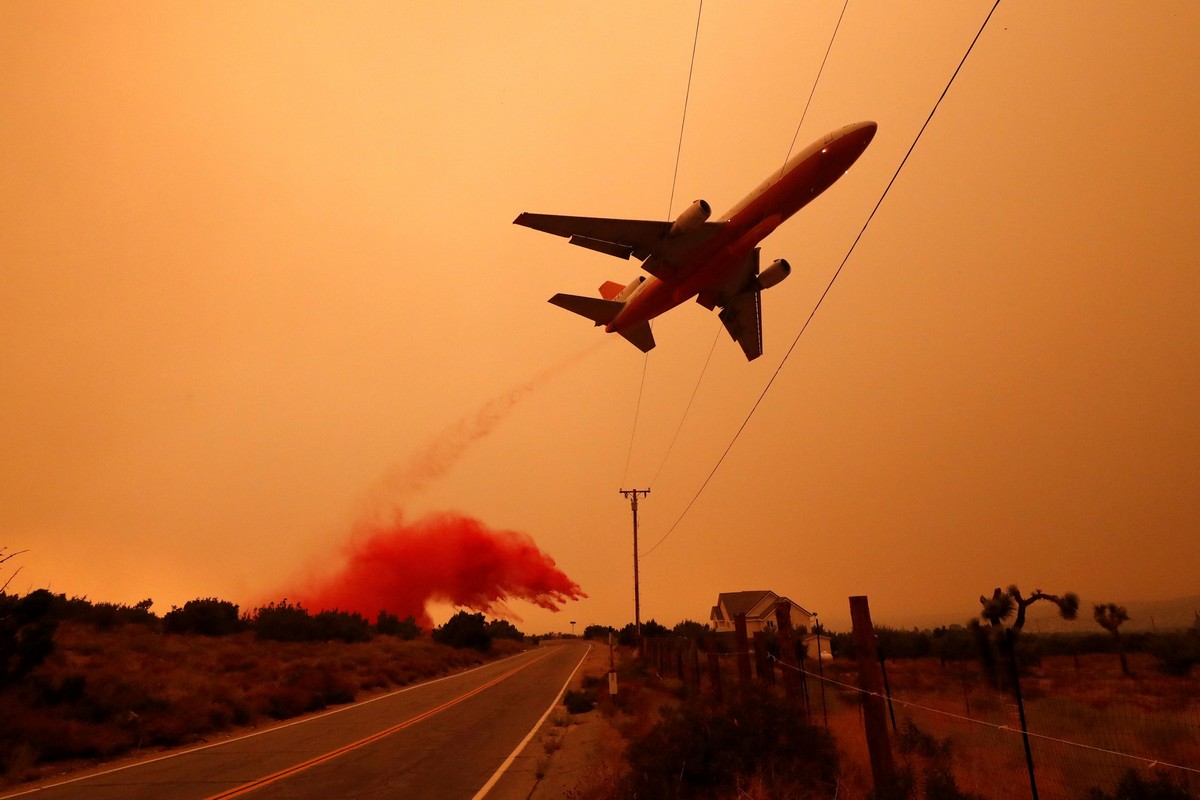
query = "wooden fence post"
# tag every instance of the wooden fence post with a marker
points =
(714, 669)
(762, 659)
(694, 664)
(787, 648)
(743, 651)
(883, 767)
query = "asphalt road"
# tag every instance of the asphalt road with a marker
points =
(441, 740)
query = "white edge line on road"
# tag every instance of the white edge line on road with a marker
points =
(499, 773)
(271, 729)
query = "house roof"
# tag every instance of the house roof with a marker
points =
(735, 603)
(741, 602)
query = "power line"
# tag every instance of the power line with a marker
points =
(813, 91)
(637, 411)
(691, 400)
(674, 178)
(799, 125)
(829, 286)
(683, 122)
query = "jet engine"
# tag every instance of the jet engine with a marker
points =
(692, 217)
(773, 274)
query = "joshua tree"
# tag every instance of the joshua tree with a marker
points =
(1001, 605)
(1110, 616)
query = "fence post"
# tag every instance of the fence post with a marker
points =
(694, 653)
(714, 669)
(762, 660)
(693, 667)
(743, 651)
(787, 648)
(883, 768)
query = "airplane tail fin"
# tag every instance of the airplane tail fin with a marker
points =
(610, 289)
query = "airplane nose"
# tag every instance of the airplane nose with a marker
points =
(862, 131)
(858, 136)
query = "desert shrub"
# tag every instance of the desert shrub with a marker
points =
(699, 751)
(284, 622)
(464, 630)
(67, 690)
(953, 643)
(627, 636)
(899, 643)
(579, 702)
(598, 632)
(391, 625)
(690, 629)
(342, 626)
(1133, 786)
(102, 616)
(206, 616)
(285, 702)
(503, 629)
(1177, 653)
(26, 633)
(926, 768)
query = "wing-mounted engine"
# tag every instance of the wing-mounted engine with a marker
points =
(692, 218)
(772, 275)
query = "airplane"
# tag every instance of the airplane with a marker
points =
(715, 262)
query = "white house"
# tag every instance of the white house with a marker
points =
(759, 608)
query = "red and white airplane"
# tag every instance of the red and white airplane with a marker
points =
(715, 262)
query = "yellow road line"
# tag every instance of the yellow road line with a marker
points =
(267, 780)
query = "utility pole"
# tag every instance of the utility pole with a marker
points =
(632, 494)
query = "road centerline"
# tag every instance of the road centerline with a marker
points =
(251, 786)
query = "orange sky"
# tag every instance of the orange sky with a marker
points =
(256, 258)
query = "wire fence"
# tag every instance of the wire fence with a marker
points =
(1089, 727)
(1080, 740)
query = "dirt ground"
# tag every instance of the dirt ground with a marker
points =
(571, 755)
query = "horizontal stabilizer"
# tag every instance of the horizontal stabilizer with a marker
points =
(597, 310)
(640, 336)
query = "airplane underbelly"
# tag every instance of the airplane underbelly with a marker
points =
(655, 298)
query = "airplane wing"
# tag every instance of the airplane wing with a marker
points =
(743, 319)
(741, 306)
(621, 237)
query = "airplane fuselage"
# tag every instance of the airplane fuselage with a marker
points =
(713, 264)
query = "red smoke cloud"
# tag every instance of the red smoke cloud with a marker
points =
(401, 567)
(443, 557)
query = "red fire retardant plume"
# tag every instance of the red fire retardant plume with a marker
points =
(444, 557)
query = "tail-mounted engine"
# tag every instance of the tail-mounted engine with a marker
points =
(692, 217)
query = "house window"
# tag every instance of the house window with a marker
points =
(770, 625)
